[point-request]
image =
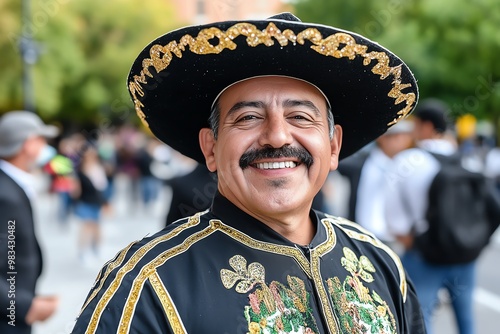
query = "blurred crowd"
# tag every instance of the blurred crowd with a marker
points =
(83, 170)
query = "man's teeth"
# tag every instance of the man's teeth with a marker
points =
(276, 165)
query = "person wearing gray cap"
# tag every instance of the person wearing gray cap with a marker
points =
(23, 146)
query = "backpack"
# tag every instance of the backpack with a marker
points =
(463, 213)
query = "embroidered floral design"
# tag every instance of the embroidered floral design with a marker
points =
(274, 308)
(358, 310)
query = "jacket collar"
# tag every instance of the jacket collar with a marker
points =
(231, 215)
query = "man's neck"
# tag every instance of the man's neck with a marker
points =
(17, 162)
(298, 228)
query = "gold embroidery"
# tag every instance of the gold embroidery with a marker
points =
(359, 311)
(111, 266)
(366, 236)
(268, 247)
(167, 303)
(330, 45)
(215, 225)
(161, 56)
(273, 306)
(316, 254)
(248, 278)
(127, 267)
(149, 268)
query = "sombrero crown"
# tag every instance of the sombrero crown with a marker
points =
(176, 78)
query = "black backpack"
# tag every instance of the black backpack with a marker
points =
(463, 213)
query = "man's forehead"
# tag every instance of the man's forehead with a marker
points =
(242, 85)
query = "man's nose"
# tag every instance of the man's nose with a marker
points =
(276, 132)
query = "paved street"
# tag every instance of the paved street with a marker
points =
(65, 276)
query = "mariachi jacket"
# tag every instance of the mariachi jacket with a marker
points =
(223, 271)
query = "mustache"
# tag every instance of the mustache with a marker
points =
(272, 153)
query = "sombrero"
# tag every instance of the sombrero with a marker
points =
(176, 78)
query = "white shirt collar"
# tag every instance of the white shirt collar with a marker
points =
(24, 179)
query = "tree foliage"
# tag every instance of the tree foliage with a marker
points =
(451, 45)
(86, 50)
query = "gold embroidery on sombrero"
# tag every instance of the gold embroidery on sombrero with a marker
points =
(161, 56)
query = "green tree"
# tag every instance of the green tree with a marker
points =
(452, 46)
(87, 48)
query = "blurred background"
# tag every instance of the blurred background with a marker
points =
(68, 60)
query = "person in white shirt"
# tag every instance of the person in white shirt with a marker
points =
(405, 211)
(368, 175)
(492, 165)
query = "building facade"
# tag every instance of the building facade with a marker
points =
(205, 11)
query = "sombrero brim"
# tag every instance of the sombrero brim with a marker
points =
(176, 78)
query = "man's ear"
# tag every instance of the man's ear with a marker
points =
(207, 145)
(335, 145)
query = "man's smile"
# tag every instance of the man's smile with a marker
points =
(275, 165)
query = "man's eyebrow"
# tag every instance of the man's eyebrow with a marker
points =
(243, 104)
(306, 103)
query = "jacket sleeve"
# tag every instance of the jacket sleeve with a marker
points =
(122, 308)
(413, 317)
(13, 289)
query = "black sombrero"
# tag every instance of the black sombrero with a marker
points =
(176, 78)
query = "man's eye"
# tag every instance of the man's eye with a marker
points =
(301, 117)
(245, 118)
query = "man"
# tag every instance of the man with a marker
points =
(260, 260)
(406, 216)
(368, 173)
(23, 146)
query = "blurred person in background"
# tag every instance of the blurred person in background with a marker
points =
(62, 173)
(368, 175)
(406, 215)
(23, 147)
(148, 184)
(108, 155)
(129, 141)
(492, 166)
(89, 202)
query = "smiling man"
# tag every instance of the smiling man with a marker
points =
(271, 107)
(270, 129)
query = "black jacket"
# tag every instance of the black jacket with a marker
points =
(19, 244)
(225, 272)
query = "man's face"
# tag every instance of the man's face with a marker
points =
(392, 144)
(32, 148)
(273, 151)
